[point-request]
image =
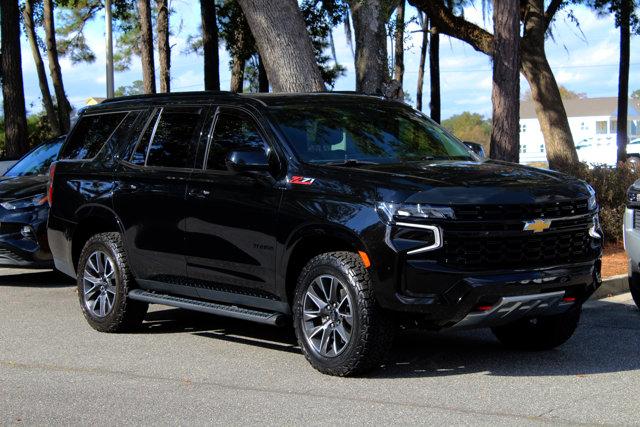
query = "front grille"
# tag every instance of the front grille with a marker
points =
(492, 237)
(521, 211)
(521, 251)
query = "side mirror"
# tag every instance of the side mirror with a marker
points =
(247, 160)
(476, 148)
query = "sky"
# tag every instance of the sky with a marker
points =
(583, 59)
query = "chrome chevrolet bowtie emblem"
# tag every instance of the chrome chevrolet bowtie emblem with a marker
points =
(537, 225)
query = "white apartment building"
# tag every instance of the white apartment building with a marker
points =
(593, 123)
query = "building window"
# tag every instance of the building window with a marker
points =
(583, 126)
(542, 148)
(613, 128)
(601, 127)
(523, 148)
(523, 127)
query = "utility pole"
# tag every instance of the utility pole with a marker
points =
(110, 79)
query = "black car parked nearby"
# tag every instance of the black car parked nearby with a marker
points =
(24, 209)
(348, 214)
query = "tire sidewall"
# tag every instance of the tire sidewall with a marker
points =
(336, 269)
(93, 245)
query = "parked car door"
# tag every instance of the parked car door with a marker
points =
(150, 197)
(231, 217)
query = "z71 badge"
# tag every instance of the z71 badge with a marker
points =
(301, 180)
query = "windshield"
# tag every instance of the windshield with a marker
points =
(368, 133)
(37, 162)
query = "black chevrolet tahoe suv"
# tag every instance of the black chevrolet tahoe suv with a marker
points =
(347, 215)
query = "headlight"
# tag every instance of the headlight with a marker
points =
(633, 195)
(394, 212)
(407, 235)
(27, 202)
(593, 202)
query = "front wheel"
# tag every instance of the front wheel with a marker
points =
(339, 326)
(539, 333)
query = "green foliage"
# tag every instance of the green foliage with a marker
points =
(38, 131)
(611, 186)
(320, 17)
(73, 16)
(234, 30)
(606, 7)
(470, 127)
(136, 88)
(635, 94)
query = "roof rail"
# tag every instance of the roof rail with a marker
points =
(167, 95)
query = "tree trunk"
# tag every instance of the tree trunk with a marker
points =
(434, 71)
(164, 48)
(398, 72)
(210, 45)
(15, 116)
(424, 24)
(237, 74)
(505, 96)
(552, 116)
(263, 80)
(371, 46)
(146, 47)
(626, 7)
(284, 44)
(64, 108)
(561, 150)
(47, 100)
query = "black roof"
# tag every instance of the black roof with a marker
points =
(264, 99)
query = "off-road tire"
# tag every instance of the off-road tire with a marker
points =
(126, 315)
(540, 333)
(374, 328)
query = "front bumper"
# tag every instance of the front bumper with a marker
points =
(631, 241)
(24, 251)
(458, 294)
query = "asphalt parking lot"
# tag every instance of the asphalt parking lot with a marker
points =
(186, 368)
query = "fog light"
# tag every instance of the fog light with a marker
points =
(27, 232)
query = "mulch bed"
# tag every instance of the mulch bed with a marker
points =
(614, 260)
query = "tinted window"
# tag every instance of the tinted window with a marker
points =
(173, 136)
(140, 154)
(90, 134)
(371, 133)
(37, 162)
(234, 131)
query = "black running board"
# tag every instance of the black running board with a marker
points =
(234, 311)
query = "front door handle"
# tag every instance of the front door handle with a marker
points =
(199, 193)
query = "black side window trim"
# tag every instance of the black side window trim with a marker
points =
(261, 131)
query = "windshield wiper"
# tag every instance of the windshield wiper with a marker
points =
(350, 162)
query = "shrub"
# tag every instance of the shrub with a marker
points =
(611, 186)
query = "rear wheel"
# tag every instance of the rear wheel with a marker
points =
(539, 333)
(104, 281)
(340, 328)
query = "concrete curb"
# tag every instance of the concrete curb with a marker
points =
(614, 285)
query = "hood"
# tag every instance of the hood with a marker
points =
(465, 182)
(19, 187)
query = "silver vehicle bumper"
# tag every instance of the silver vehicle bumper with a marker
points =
(510, 309)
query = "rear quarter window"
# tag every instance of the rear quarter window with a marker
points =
(90, 135)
